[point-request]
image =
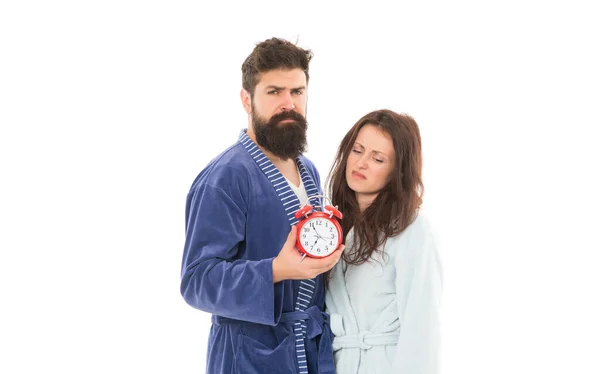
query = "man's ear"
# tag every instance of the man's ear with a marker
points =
(246, 101)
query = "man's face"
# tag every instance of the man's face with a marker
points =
(278, 111)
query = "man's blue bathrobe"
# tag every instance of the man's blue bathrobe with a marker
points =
(238, 216)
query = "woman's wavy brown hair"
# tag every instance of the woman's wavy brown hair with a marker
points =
(397, 204)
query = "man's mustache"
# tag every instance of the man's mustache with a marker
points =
(287, 115)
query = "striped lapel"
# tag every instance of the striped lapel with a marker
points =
(291, 204)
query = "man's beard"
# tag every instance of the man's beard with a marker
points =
(286, 140)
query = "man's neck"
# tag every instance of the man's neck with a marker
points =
(289, 170)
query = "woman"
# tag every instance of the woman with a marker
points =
(384, 295)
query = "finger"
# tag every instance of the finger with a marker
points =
(292, 235)
(333, 257)
(337, 254)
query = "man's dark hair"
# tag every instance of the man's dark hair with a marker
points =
(273, 54)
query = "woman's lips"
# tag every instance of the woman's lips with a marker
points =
(358, 175)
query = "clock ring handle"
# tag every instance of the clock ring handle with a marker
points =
(332, 210)
(315, 196)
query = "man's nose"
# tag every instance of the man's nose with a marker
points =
(287, 103)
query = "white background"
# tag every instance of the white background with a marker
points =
(105, 109)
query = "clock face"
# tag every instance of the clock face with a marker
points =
(319, 236)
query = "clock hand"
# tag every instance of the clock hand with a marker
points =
(321, 237)
(315, 243)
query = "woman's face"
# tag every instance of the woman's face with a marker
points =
(370, 163)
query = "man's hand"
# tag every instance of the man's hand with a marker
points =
(287, 264)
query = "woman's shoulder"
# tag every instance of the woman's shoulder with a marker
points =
(419, 227)
(415, 238)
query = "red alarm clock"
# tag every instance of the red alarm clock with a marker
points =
(319, 232)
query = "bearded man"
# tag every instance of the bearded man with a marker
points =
(240, 262)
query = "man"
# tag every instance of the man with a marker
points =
(240, 262)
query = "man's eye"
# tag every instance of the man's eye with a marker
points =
(273, 92)
(298, 92)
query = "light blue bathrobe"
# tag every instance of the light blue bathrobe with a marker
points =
(385, 313)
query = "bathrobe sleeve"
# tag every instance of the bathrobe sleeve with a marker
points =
(214, 278)
(419, 276)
